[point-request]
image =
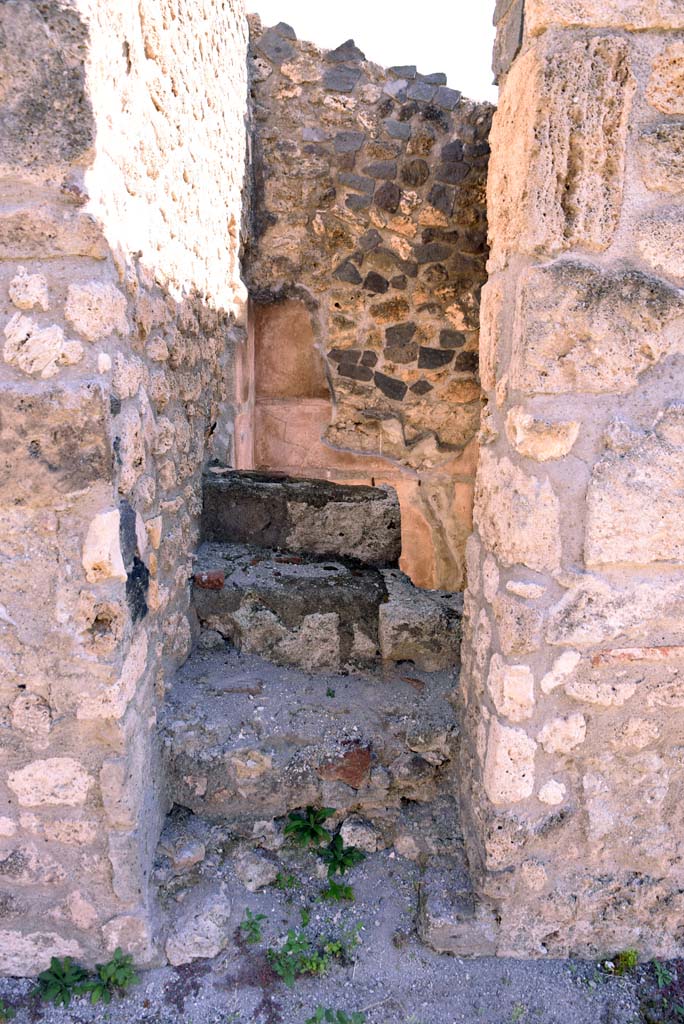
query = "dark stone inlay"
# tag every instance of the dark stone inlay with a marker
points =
(447, 98)
(452, 172)
(397, 129)
(354, 372)
(388, 197)
(385, 169)
(275, 47)
(355, 202)
(451, 339)
(433, 252)
(341, 78)
(422, 91)
(434, 358)
(346, 51)
(467, 362)
(421, 387)
(346, 270)
(390, 386)
(369, 358)
(442, 198)
(371, 240)
(344, 355)
(357, 181)
(408, 71)
(376, 283)
(400, 334)
(137, 585)
(349, 142)
(415, 173)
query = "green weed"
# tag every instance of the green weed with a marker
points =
(328, 1016)
(62, 980)
(286, 882)
(250, 926)
(114, 977)
(340, 858)
(307, 829)
(338, 891)
(625, 962)
(6, 1012)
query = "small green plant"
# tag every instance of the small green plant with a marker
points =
(6, 1012)
(304, 916)
(299, 956)
(330, 692)
(62, 980)
(518, 1012)
(307, 829)
(250, 926)
(625, 962)
(324, 1015)
(286, 882)
(338, 891)
(664, 976)
(114, 977)
(340, 858)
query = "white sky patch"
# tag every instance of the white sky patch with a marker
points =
(453, 36)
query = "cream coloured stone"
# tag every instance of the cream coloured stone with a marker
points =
(630, 14)
(533, 875)
(538, 439)
(38, 350)
(114, 701)
(611, 693)
(8, 828)
(665, 89)
(72, 832)
(102, 559)
(96, 310)
(131, 933)
(528, 591)
(635, 734)
(560, 670)
(23, 955)
(635, 499)
(511, 688)
(56, 780)
(661, 242)
(154, 531)
(661, 151)
(518, 515)
(552, 792)
(81, 911)
(129, 429)
(518, 624)
(558, 148)
(31, 715)
(578, 328)
(509, 764)
(29, 291)
(490, 577)
(473, 552)
(104, 362)
(561, 735)
(491, 306)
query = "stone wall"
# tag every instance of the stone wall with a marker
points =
(574, 646)
(369, 214)
(122, 145)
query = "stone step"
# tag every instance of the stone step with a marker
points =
(246, 742)
(303, 516)
(321, 614)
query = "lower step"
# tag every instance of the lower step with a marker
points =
(245, 742)
(321, 615)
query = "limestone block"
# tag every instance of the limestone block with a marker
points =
(56, 780)
(451, 919)
(561, 735)
(28, 291)
(560, 670)
(200, 930)
(102, 558)
(96, 309)
(665, 89)
(539, 439)
(509, 764)
(558, 149)
(578, 328)
(131, 449)
(38, 350)
(518, 516)
(596, 610)
(361, 834)
(511, 688)
(629, 14)
(552, 792)
(42, 232)
(133, 934)
(254, 870)
(519, 625)
(528, 591)
(490, 331)
(490, 578)
(635, 499)
(418, 626)
(661, 242)
(24, 956)
(661, 151)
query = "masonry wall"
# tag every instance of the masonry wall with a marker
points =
(366, 263)
(574, 636)
(122, 149)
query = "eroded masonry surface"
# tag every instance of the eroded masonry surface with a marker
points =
(341, 442)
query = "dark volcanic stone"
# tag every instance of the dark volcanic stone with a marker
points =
(415, 172)
(275, 47)
(432, 252)
(345, 161)
(347, 271)
(285, 30)
(347, 51)
(401, 334)
(436, 78)
(452, 171)
(341, 78)
(390, 386)
(405, 71)
(447, 98)
(408, 111)
(442, 198)
(369, 358)
(434, 358)
(371, 240)
(397, 130)
(355, 372)
(453, 150)
(421, 91)
(349, 142)
(451, 339)
(137, 585)
(466, 362)
(399, 282)
(437, 117)
(376, 283)
(345, 355)
(421, 387)
(388, 197)
(357, 181)
(355, 202)
(386, 169)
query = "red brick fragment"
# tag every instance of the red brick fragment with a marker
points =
(210, 580)
(624, 655)
(352, 768)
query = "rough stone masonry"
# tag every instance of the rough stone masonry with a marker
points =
(125, 365)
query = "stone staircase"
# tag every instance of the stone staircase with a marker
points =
(322, 677)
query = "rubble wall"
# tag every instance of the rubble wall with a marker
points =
(574, 636)
(369, 211)
(122, 150)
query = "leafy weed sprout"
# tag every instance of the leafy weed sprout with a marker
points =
(340, 858)
(307, 829)
(250, 926)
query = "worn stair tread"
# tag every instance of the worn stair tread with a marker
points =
(321, 614)
(302, 515)
(245, 739)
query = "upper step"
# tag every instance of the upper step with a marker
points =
(304, 516)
